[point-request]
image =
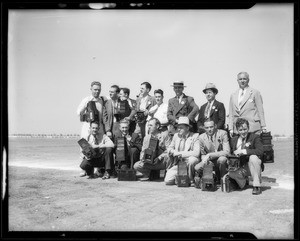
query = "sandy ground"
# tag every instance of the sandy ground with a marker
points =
(60, 200)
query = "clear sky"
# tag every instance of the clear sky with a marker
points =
(54, 55)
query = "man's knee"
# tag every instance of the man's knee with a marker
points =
(138, 165)
(192, 160)
(254, 159)
(222, 160)
(108, 150)
(199, 166)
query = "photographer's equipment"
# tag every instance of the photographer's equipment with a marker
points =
(91, 113)
(121, 150)
(140, 117)
(228, 184)
(268, 156)
(126, 174)
(87, 149)
(234, 163)
(120, 110)
(151, 152)
(182, 178)
(208, 178)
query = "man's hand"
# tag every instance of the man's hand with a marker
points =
(176, 153)
(109, 134)
(128, 137)
(206, 159)
(156, 160)
(176, 120)
(239, 152)
(146, 112)
(171, 152)
(264, 129)
(231, 133)
(127, 118)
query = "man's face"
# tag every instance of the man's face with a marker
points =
(123, 96)
(94, 128)
(113, 93)
(152, 127)
(96, 90)
(243, 130)
(182, 129)
(124, 128)
(209, 127)
(178, 90)
(243, 80)
(158, 98)
(144, 90)
(210, 95)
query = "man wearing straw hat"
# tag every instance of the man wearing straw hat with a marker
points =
(213, 109)
(185, 144)
(181, 105)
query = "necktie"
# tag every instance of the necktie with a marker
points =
(207, 110)
(241, 97)
(182, 144)
(96, 142)
(243, 143)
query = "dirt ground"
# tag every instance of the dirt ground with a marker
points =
(59, 200)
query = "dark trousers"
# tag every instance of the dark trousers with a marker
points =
(133, 157)
(105, 160)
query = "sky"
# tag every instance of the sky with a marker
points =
(54, 55)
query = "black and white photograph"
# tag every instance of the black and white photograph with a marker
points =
(140, 119)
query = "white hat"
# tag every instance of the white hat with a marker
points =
(183, 120)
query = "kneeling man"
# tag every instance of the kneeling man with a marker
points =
(185, 144)
(214, 148)
(159, 162)
(249, 147)
(103, 147)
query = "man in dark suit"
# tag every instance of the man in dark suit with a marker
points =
(143, 103)
(181, 105)
(132, 145)
(213, 109)
(249, 148)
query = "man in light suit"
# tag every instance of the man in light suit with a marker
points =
(246, 103)
(143, 103)
(181, 105)
(250, 149)
(185, 144)
(213, 109)
(214, 147)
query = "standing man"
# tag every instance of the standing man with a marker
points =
(111, 122)
(84, 113)
(132, 145)
(246, 103)
(143, 104)
(129, 115)
(185, 144)
(160, 110)
(181, 105)
(214, 148)
(103, 158)
(213, 109)
(250, 149)
(159, 163)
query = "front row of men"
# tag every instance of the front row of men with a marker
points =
(211, 147)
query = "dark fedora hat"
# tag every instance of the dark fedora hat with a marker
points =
(178, 84)
(210, 86)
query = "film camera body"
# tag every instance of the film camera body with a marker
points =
(91, 113)
(268, 156)
(182, 178)
(120, 110)
(151, 152)
(208, 180)
(87, 149)
(140, 117)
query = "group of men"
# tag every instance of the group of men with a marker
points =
(198, 136)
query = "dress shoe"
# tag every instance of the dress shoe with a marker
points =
(139, 174)
(92, 176)
(144, 178)
(256, 191)
(114, 174)
(106, 175)
(82, 174)
(98, 174)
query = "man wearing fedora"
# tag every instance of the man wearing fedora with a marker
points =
(185, 144)
(213, 109)
(246, 103)
(181, 105)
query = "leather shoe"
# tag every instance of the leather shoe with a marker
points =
(106, 175)
(114, 174)
(98, 174)
(92, 176)
(82, 174)
(256, 191)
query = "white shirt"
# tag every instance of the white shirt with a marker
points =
(84, 102)
(160, 112)
(211, 104)
(239, 145)
(143, 103)
(180, 98)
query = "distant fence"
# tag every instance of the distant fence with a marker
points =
(45, 136)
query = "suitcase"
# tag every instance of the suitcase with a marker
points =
(126, 175)
(228, 184)
(207, 181)
(182, 178)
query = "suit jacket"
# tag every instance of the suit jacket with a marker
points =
(217, 114)
(164, 141)
(251, 109)
(187, 107)
(220, 138)
(253, 145)
(136, 140)
(192, 145)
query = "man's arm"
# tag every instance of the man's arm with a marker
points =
(258, 149)
(171, 118)
(221, 115)
(194, 109)
(82, 106)
(107, 142)
(260, 109)
(145, 146)
(230, 116)
(195, 149)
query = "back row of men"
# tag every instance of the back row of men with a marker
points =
(138, 119)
